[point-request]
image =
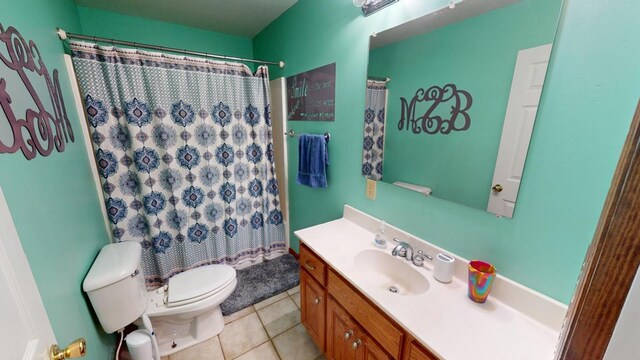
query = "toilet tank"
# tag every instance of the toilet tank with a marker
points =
(115, 285)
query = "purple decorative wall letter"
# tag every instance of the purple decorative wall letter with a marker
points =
(41, 130)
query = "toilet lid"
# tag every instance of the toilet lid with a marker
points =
(195, 284)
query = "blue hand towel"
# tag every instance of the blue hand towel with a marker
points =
(313, 161)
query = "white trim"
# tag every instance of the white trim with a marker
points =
(87, 142)
(279, 127)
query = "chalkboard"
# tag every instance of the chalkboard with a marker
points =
(311, 95)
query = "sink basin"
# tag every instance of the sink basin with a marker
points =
(391, 273)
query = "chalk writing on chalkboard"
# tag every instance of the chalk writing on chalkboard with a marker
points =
(311, 95)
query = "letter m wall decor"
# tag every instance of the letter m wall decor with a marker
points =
(32, 121)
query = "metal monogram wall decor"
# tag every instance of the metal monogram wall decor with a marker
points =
(41, 130)
(446, 111)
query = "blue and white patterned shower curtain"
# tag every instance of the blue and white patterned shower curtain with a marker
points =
(373, 143)
(184, 150)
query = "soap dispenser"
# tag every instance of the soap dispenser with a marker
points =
(379, 241)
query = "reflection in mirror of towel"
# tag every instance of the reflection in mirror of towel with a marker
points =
(426, 191)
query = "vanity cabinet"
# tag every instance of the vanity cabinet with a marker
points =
(344, 323)
(346, 340)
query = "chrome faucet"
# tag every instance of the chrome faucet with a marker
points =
(419, 257)
(403, 249)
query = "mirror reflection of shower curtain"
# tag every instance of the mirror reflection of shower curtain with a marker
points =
(374, 118)
(184, 151)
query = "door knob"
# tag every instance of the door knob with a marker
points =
(76, 349)
(497, 188)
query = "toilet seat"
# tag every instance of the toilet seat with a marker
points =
(199, 283)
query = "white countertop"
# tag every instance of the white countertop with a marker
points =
(443, 318)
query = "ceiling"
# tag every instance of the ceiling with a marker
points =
(236, 17)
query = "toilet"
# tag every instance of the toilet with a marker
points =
(184, 312)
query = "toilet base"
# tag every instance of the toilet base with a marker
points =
(174, 334)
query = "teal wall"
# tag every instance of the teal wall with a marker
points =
(589, 99)
(591, 91)
(122, 27)
(52, 199)
(477, 56)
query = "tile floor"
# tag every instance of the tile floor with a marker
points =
(269, 330)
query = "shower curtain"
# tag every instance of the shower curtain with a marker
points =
(184, 150)
(374, 115)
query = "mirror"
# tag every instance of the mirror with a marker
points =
(452, 97)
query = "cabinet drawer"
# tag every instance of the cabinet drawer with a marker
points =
(313, 264)
(377, 324)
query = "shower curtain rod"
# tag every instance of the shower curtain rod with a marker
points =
(67, 35)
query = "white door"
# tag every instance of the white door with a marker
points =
(277, 89)
(25, 332)
(624, 344)
(526, 88)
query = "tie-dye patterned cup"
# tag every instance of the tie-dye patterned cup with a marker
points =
(481, 275)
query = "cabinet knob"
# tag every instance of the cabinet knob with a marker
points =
(348, 334)
(356, 344)
(317, 300)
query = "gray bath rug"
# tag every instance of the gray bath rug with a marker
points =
(262, 281)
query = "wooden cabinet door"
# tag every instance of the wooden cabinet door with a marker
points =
(346, 340)
(414, 351)
(341, 333)
(313, 308)
(370, 350)
(385, 331)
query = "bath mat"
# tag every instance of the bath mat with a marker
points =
(262, 281)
